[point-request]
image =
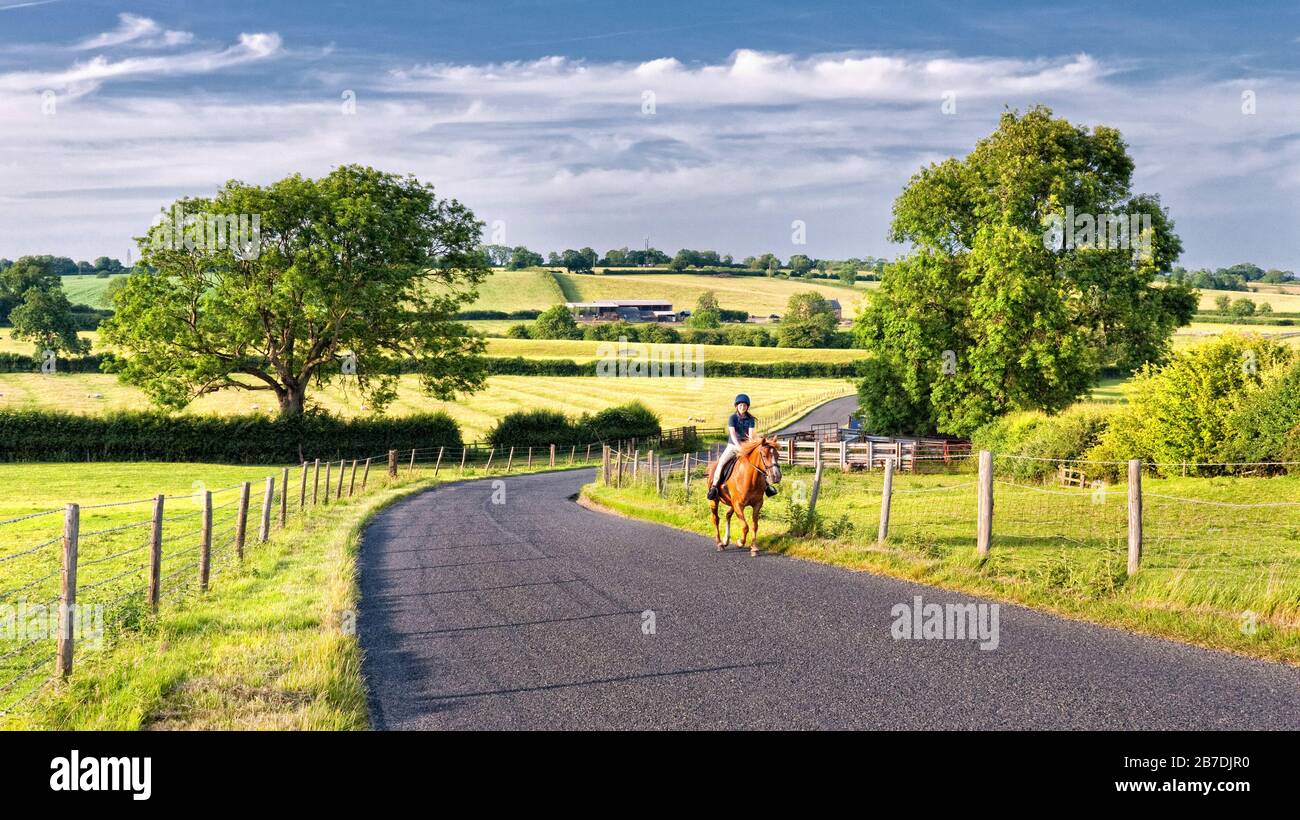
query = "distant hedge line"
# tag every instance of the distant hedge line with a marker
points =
(25, 363)
(466, 315)
(540, 428)
(35, 435)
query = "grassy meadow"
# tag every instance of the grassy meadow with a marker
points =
(703, 402)
(89, 290)
(581, 350)
(1220, 566)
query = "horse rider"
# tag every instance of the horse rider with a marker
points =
(739, 428)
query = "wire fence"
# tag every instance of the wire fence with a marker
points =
(72, 577)
(1227, 544)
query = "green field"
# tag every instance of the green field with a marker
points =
(761, 296)
(1284, 299)
(704, 402)
(89, 290)
(585, 351)
(1218, 553)
(8, 344)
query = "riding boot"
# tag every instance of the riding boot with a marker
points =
(771, 491)
(712, 495)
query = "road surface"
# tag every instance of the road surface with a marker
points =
(535, 613)
(835, 410)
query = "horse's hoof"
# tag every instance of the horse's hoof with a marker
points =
(753, 553)
(721, 548)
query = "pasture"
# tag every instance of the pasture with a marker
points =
(539, 289)
(89, 290)
(704, 402)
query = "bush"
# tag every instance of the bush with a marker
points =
(1033, 435)
(33, 435)
(1266, 425)
(533, 428)
(540, 428)
(1180, 413)
(555, 323)
(518, 332)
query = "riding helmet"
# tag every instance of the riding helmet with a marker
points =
(741, 398)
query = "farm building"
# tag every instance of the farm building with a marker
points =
(628, 310)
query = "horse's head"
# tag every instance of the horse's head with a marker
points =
(767, 457)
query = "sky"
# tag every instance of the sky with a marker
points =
(742, 127)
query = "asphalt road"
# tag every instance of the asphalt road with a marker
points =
(531, 614)
(836, 410)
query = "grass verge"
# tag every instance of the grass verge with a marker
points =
(1224, 585)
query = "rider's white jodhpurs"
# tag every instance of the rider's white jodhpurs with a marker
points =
(728, 454)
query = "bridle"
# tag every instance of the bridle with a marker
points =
(770, 469)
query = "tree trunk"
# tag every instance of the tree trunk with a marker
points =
(292, 400)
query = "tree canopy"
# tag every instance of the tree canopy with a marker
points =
(352, 274)
(994, 309)
(809, 321)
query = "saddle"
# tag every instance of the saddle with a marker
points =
(726, 471)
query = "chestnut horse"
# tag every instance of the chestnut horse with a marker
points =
(756, 465)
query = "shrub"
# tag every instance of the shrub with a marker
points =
(539, 428)
(1180, 413)
(1264, 426)
(33, 435)
(1031, 436)
(532, 428)
(518, 332)
(555, 323)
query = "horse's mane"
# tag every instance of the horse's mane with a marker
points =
(749, 445)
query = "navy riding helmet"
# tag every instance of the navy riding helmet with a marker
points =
(741, 398)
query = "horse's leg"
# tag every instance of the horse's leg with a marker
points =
(744, 528)
(717, 533)
(730, 512)
(753, 511)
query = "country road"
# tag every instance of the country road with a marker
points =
(533, 613)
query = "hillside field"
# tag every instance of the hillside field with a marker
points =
(761, 296)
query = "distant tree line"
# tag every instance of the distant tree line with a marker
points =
(103, 266)
(1233, 277)
(586, 260)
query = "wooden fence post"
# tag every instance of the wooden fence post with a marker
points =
(68, 590)
(155, 552)
(885, 495)
(816, 488)
(365, 475)
(343, 473)
(329, 466)
(510, 460)
(392, 464)
(817, 453)
(618, 478)
(984, 531)
(871, 454)
(284, 497)
(686, 476)
(574, 452)
(437, 465)
(604, 464)
(267, 500)
(488, 466)
(552, 455)
(352, 483)
(463, 451)
(588, 458)
(315, 484)
(205, 543)
(410, 470)
(530, 458)
(844, 456)
(1134, 515)
(241, 519)
(636, 462)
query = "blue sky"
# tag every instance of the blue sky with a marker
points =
(712, 125)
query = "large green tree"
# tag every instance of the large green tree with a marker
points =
(353, 273)
(995, 309)
(809, 321)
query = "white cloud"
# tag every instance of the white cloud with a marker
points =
(561, 150)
